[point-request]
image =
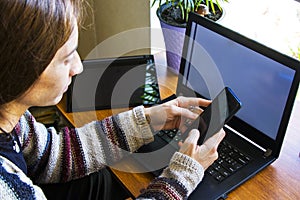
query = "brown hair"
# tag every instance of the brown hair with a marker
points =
(31, 32)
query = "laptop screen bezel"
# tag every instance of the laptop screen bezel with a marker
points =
(237, 124)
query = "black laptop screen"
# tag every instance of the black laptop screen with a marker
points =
(263, 83)
(119, 82)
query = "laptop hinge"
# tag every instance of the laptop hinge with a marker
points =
(258, 146)
(268, 153)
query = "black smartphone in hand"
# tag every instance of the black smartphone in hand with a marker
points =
(217, 114)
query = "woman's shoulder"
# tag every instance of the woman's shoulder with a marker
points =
(10, 180)
(14, 183)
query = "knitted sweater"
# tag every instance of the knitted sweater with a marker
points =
(54, 157)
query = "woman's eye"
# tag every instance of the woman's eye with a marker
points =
(68, 59)
(66, 62)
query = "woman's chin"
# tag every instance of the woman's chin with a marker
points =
(54, 101)
(58, 99)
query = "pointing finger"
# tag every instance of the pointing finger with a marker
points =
(193, 137)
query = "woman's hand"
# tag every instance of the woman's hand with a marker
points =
(174, 113)
(205, 154)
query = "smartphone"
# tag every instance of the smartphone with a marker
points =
(217, 114)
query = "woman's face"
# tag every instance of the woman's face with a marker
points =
(54, 81)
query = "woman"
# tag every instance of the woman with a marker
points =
(38, 58)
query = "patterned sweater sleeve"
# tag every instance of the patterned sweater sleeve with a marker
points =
(177, 181)
(53, 156)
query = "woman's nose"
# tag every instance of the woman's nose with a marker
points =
(76, 66)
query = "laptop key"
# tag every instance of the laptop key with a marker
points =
(219, 177)
(211, 171)
(237, 165)
(229, 167)
(166, 138)
(160, 133)
(223, 172)
(171, 134)
(242, 161)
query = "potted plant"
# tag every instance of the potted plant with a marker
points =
(296, 53)
(173, 16)
(178, 10)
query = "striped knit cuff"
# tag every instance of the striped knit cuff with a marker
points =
(142, 123)
(184, 169)
(162, 188)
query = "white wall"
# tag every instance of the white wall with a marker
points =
(111, 19)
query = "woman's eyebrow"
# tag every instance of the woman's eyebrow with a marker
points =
(70, 52)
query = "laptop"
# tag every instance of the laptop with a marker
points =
(118, 82)
(265, 81)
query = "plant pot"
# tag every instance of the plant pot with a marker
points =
(174, 34)
(174, 37)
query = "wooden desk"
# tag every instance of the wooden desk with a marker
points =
(278, 181)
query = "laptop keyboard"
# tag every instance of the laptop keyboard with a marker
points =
(171, 136)
(229, 161)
